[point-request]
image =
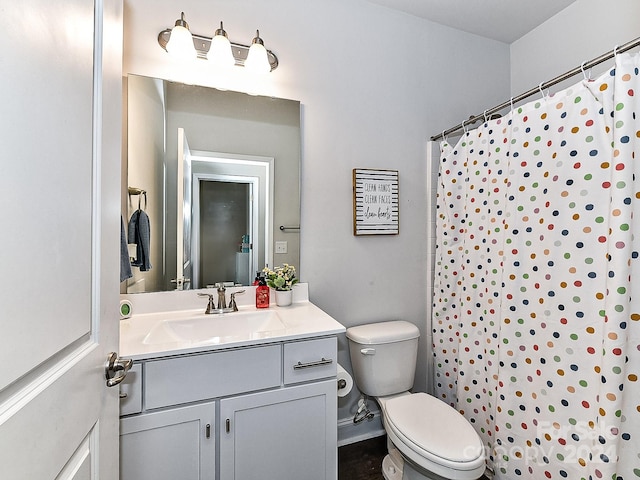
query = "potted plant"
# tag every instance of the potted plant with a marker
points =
(282, 279)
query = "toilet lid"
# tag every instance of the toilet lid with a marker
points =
(435, 428)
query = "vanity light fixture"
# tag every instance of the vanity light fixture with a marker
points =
(255, 57)
(220, 50)
(180, 44)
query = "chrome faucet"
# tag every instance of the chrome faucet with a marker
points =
(222, 301)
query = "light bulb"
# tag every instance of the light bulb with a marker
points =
(180, 44)
(220, 51)
(257, 59)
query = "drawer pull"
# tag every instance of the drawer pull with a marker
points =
(207, 430)
(319, 363)
(227, 425)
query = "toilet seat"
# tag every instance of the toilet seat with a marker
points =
(434, 436)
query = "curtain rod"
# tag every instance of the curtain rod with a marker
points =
(585, 66)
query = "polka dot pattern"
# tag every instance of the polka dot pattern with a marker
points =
(536, 318)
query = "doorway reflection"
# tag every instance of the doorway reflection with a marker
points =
(225, 219)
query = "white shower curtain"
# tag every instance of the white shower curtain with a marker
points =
(536, 318)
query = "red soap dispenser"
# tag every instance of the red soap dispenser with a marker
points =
(262, 294)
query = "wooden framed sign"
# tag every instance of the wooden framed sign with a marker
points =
(375, 202)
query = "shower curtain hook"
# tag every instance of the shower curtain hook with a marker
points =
(444, 137)
(542, 91)
(511, 102)
(485, 116)
(463, 127)
(584, 74)
(615, 51)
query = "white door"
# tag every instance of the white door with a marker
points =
(184, 264)
(60, 131)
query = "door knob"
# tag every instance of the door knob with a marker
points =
(116, 369)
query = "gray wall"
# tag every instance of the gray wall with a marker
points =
(374, 84)
(582, 31)
(145, 147)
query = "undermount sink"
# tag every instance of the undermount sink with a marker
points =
(216, 328)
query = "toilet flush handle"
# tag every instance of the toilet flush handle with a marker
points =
(368, 351)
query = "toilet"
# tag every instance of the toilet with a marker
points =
(427, 439)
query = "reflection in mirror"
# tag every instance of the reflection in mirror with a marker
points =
(231, 162)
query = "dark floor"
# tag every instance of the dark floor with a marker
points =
(363, 460)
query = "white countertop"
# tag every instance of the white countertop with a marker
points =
(300, 320)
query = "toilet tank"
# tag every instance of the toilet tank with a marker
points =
(383, 356)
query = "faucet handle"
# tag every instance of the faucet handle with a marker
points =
(232, 302)
(210, 305)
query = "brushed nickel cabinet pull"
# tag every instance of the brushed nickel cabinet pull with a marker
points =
(319, 363)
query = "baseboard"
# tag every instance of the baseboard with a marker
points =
(349, 432)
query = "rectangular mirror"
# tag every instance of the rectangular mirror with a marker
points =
(231, 163)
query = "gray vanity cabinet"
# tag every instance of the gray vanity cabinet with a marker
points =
(258, 412)
(280, 434)
(172, 444)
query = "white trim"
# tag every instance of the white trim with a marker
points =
(433, 159)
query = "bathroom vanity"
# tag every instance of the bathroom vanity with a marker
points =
(243, 395)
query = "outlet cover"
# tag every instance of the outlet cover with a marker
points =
(281, 247)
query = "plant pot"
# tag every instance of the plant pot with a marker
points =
(284, 298)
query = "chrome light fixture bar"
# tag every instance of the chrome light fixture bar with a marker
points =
(202, 44)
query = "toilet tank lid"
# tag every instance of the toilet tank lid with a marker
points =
(383, 332)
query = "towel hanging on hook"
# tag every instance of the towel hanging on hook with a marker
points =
(140, 192)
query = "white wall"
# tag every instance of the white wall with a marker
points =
(582, 31)
(374, 86)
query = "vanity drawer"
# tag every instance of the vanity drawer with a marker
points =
(310, 360)
(131, 391)
(192, 378)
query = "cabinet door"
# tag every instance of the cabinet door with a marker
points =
(280, 434)
(131, 391)
(169, 445)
